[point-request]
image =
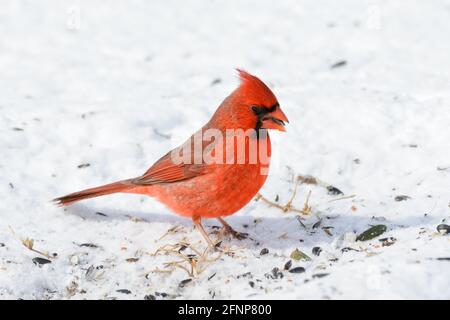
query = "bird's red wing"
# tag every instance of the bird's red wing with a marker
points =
(166, 171)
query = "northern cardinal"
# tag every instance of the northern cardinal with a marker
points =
(197, 188)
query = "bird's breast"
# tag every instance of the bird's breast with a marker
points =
(223, 190)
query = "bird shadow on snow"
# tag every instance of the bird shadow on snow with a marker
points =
(281, 232)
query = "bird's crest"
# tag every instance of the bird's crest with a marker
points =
(254, 90)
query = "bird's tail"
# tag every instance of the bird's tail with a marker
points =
(120, 186)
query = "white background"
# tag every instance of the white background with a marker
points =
(117, 84)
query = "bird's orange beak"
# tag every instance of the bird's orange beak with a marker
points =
(275, 120)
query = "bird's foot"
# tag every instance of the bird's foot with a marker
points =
(227, 230)
(215, 247)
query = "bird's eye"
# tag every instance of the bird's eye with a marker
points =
(258, 110)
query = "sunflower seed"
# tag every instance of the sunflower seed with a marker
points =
(89, 245)
(372, 232)
(211, 276)
(184, 283)
(334, 191)
(40, 261)
(338, 64)
(288, 265)
(402, 198)
(316, 251)
(125, 291)
(320, 275)
(297, 270)
(443, 228)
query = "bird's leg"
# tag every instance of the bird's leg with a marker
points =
(229, 230)
(198, 223)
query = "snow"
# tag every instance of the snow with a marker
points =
(118, 85)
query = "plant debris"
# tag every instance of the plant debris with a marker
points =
(29, 244)
(299, 255)
(135, 219)
(386, 242)
(72, 288)
(307, 209)
(327, 230)
(317, 224)
(172, 230)
(192, 261)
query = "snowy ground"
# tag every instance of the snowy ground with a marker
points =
(116, 85)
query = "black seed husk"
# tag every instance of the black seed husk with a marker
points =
(334, 191)
(401, 198)
(288, 265)
(297, 270)
(443, 228)
(89, 245)
(40, 261)
(125, 291)
(316, 251)
(338, 64)
(184, 283)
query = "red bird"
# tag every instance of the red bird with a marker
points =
(211, 180)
